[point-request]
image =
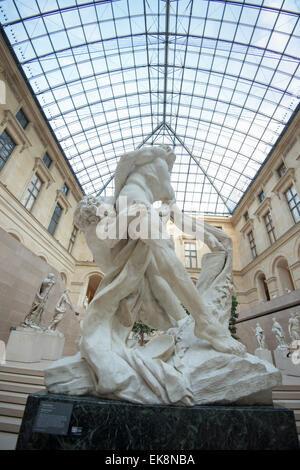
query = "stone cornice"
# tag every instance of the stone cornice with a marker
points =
(263, 208)
(10, 122)
(247, 227)
(284, 182)
(43, 172)
(62, 200)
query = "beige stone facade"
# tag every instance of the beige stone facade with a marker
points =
(273, 272)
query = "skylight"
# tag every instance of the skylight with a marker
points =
(217, 79)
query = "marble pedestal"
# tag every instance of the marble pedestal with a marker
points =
(290, 371)
(53, 345)
(24, 345)
(285, 364)
(264, 354)
(53, 421)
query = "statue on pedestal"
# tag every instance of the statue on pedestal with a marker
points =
(278, 331)
(34, 318)
(60, 310)
(260, 336)
(144, 280)
(294, 326)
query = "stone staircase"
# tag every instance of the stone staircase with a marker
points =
(17, 382)
(289, 397)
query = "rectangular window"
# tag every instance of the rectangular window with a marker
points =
(47, 160)
(6, 147)
(190, 255)
(252, 244)
(32, 192)
(72, 239)
(65, 189)
(281, 170)
(293, 202)
(270, 227)
(55, 219)
(21, 117)
(261, 196)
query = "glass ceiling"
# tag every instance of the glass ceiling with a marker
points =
(217, 79)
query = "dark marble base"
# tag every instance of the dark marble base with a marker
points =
(94, 424)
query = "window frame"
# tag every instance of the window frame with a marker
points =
(252, 244)
(22, 119)
(189, 255)
(2, 146)
(293, 199)
(270, 227)
(31, 194)
(54, 217)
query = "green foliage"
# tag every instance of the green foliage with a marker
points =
(140, 329)
(233, 318)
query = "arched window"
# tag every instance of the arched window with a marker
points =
(93, 284)
(284, 276)
(14, 236)
(262, 287)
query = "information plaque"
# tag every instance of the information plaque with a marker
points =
(53, 418)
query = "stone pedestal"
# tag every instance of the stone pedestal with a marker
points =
(290, 371)
(53, 345)
(53, 421)
(24, 345)
(285, 364)
(264, 354)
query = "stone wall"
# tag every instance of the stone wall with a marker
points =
(21, 275)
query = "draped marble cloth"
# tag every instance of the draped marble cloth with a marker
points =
(124, 296)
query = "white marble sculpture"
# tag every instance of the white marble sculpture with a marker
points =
(278, 331)
(34, 318)
(60, 310)
(196, 360)
(294, 326)
(260, 336)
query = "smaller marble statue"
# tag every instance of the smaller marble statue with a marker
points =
(260, 336)
(278, 331)
(294, 326)
(34, 318)
(60, 310)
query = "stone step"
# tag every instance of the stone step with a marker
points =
(288, 388)
(38, 371)
(286, 395)
(10, 424)
(18, 387)
(8, 440)
(293, 404)
(21, 378)
(13, 397)
(11, 409)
